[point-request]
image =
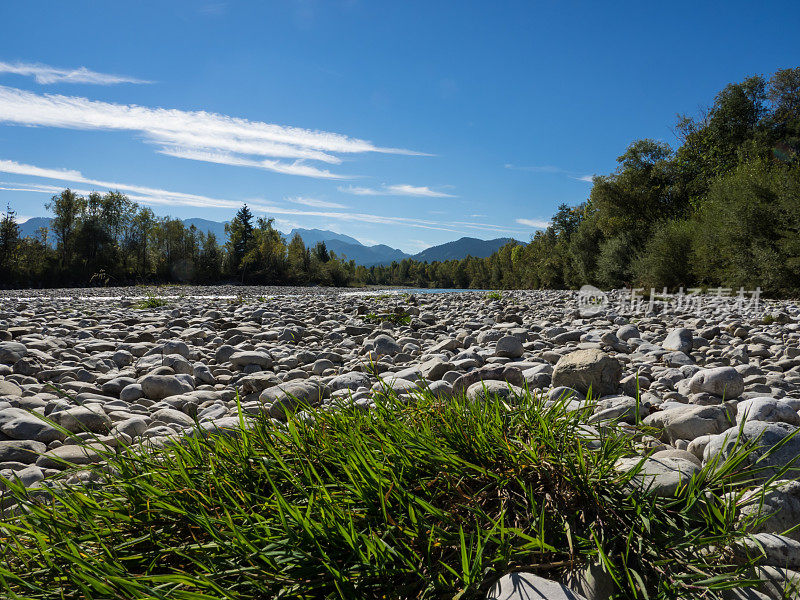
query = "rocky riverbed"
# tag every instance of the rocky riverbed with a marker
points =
(104, 366)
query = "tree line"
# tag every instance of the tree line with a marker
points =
(721, 209)
(106, 239)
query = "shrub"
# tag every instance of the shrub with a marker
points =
(667, 258)
(748, 229)
(613, 262)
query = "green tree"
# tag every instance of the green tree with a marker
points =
(566, 220)
(299, 260)
(267, 256)
(321, 252)
(67, 208)
(784, 94)
(614, 261)
(713, 144)
(749, 229)
(9, 244)
(209, 262)
(136, 243)
(668, 258)
(98, 240)
(37, 260)
(241, 240)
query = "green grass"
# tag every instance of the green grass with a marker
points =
(494, 296)
(150, 302)
(428, 499)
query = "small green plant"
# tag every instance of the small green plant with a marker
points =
(767, 319)
(494, 296)
(150, 302)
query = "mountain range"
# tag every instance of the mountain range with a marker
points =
(342, 245)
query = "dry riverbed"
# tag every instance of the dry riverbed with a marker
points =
(129, 365)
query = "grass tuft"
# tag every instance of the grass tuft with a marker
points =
(425, 499)
(150, 302)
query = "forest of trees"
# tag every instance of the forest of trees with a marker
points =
(721, 209)
(110, 240)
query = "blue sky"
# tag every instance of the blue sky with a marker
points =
(406, 123)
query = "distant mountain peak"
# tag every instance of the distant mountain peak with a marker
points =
(312, 236)
(461, 248)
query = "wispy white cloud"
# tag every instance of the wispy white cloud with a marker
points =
(359, 191)
(551, 169)
(191, 139)
(9, 186)
(72, 112)
(488, 227)
(226, 158)
(417, 190)
(286, 225)
(45, 74)
(313, 202)
(155, 196)
(135, 192)
(164, 200)
(195, 135)
(396, 190)
(418, 245)
(148, 195)
(535, 223)
(10, 166)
